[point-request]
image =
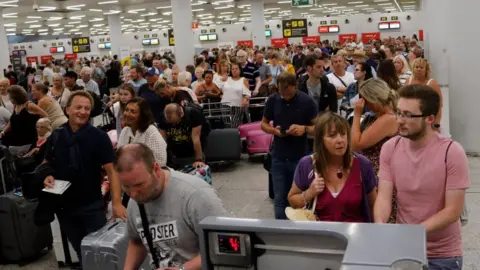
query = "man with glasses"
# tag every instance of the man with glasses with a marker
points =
(429, 173)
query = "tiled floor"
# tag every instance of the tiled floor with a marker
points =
(244, 191)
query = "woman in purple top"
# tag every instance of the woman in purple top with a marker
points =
(343, 182)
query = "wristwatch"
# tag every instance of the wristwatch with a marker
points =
(306, 129)
(182, 268)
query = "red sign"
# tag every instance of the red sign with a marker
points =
(32, 59)
(367, 37)
(279, 42)
(312, 39)
(347, 37)
(420, 35)
(45, 58)
(323, 29)
(194, 25)
(53, 50)
(70, 56)
(246, 43)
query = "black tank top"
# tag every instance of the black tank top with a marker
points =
(23, 127)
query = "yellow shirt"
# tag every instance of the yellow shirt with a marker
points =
(290, 69)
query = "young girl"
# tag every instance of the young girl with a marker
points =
(125, 93)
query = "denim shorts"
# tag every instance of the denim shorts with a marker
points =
(453, 263)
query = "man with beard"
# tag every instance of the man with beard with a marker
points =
(429, 173)
(171, 204)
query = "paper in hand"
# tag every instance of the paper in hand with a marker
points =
(59, 187)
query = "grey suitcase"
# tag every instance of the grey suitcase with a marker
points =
(106, 249)
(223, 145)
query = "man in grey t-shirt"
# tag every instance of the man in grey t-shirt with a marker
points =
(174, 203)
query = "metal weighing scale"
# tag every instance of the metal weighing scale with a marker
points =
(254, 244)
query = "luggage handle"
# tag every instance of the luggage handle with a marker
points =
(114, 224)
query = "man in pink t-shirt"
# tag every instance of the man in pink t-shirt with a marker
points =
(429, 173)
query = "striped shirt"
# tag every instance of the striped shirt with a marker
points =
(251, 73)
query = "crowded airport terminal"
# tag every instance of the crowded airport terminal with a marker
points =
(290, 134)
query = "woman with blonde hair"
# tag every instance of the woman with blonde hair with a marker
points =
(199, 75)
(5, 98)
(422, 75)
(58, 91)
(402, 68)
(340, 183)
(222, 74)
(380, 99)
(287, 65)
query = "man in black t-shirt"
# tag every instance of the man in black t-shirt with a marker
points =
(181, 127)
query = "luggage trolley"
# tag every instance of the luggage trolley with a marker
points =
(255, 109)
(253, 244)
(218, 114)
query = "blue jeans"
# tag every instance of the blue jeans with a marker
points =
(454, 263)
(282, 178)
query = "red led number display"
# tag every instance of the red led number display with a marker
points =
(229, 244)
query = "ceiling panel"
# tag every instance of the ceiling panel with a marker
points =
(76, 17)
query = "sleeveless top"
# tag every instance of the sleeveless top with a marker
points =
(410, 81)
(23, 127)
(55, 114)
(347, 205)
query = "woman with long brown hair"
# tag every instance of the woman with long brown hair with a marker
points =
(342, 182)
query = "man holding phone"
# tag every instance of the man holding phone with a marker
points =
(293, 114)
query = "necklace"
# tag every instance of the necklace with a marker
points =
(339, 173)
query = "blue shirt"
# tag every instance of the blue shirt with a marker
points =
(251, 73)
(301, 110)
(156, 103)
(137, 84)
(78, 157)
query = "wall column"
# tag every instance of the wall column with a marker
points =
(115, 26)
(182, 30)
(4, 52)
(258, 23)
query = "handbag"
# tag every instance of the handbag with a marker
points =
(267, 160)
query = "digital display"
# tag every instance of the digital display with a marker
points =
(108, 45)
(203, 38)
(53, 49)
(212, 37)
(229, 244)
(323, 29)
(268, 32)
(154, 41)
(101, 45)
(383, 26)
(395, 25)
(60, 49)
(146, 42)
(333, 29)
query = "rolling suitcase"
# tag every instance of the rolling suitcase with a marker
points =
(246, 128)
(20, 239)
(106, 249)
(65, 256)
(223, 145)
(258, 142)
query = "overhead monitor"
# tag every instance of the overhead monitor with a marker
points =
(154, 41)
(395, 25)
(60, 49)
(146, 42)
(108, 45)
(383, 26)
(203, 37)
(212, 37)
(268, 33)
(101, 45)
(333, 29)
(323, 29)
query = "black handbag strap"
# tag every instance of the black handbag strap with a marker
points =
(146, 233)
(344, 84)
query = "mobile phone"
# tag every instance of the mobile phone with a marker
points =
(283, 131)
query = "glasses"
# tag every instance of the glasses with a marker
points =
(399, 115)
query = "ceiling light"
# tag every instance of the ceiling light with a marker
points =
(54, 18)
(284, 2)
(10, 25)
(11, 29)
(57, 29)
(198, 9)
(35, 26)
(136, 10)
(111, 12)
(74, 22)
(96, 10)
(10, 15)
(34, 17)
(332, 4)
(43, 8)
(79, 17)
(75, 7)
(167, 13)
(107, 2)
(385, 4)
(356, 2)
(199, 3)
(358, 6)
(148, 14)
(96, 20)
(54, 25)
(227, 12)
(218, 2)
(31, 22)
(42, 30)
(164, 7)
(8, 5)
(224, 7)
(378, 1)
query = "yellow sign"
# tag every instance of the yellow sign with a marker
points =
(287, 32)
(300, 24)
(294, 23)
(75, 49)
(172, 41)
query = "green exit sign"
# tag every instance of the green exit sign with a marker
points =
(300, 3)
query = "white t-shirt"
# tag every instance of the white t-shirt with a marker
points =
(233, 92)
(348, 79)
(8, 104)
(48, 74)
